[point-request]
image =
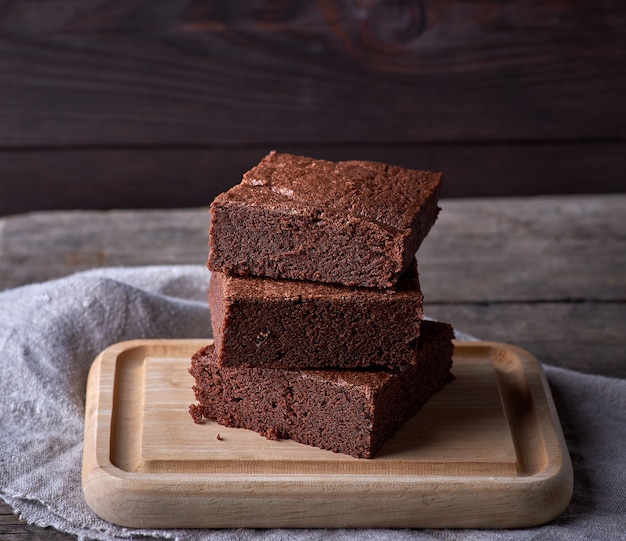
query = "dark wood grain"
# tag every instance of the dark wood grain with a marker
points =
(104, 178)
(143, 104)
(187, 72)
(12, 528)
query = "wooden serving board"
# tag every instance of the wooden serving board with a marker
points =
(487, 451)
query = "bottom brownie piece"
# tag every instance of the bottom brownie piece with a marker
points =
(347, 411)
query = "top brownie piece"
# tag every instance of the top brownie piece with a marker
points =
(356, 223)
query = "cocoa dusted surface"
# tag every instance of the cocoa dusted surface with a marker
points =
(256, 322)
(346, 411)
(378, 192)
(356, 223)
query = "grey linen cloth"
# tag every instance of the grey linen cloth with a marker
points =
(51, 332)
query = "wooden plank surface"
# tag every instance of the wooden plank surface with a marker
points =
(542, 249)
(489, 441)
(14, 529)
(165, 177)
(587, 336)
(190, 73)
(164, 103)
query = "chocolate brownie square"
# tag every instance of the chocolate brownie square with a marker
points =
(347, 411)
(356, 223)
(267, 322)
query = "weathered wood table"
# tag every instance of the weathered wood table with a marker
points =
(547, 274)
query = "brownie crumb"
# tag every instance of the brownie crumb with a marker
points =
(196, 413)
(272, 433)
(219, 438)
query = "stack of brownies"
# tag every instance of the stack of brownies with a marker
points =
(316, 305)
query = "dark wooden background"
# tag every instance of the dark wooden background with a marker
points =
(165, 103)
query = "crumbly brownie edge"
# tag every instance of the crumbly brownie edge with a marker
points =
(308, 244)
(280, 404)
(421, 226)
(423, 380)
(217, 308)
(263, 399)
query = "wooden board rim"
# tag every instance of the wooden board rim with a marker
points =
(136, 499)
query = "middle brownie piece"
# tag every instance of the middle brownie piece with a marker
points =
(263, 322)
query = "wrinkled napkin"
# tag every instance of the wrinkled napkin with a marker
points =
(50, 333)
